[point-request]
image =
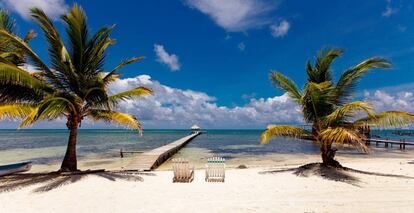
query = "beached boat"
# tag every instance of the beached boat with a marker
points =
(15, 168)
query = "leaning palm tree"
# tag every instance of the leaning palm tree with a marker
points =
(74, 86)
(328, 107)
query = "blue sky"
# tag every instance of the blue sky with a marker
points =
(224, 50)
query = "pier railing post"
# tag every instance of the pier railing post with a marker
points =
(403, 143)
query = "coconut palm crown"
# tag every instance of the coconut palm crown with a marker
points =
(329, 108)
(75, 84)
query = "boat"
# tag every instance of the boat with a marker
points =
(15, 168)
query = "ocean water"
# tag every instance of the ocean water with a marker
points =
(101, 147)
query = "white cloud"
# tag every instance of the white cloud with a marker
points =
(235, 15)
(241, 46)
(383, 101)
(280, 29)
(171, 60)
(177, 108)
(53, 8)
(389, 10)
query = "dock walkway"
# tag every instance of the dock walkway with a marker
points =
(402, 143)
(153, 158)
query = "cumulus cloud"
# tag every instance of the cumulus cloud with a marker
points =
(389, 10)
(235, 15)
(384, 101)
(171, 60)
(53, 8)
(280, 29)
(178, 108)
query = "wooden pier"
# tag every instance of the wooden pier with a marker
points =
(150, 160)
(401, 143)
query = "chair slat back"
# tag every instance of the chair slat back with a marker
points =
(215, 169)
(182, 170)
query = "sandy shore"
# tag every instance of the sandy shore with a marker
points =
(245, 190)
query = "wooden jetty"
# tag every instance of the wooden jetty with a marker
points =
(402, 143)
(150, 160)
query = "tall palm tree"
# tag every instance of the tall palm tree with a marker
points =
(328, 107)
(74, 86)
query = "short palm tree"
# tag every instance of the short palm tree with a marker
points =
(74, 86)
(328, 107)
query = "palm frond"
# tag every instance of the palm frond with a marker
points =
(6, 22)
(77, 31)
(11, 93)
(132, 93)
(32, 55)
(349, 79)
(317, 101)
(322, 70)
(349, 110)
(123, 119)
(95, 51)
(387, 119)
(8, 50)
(340, 135)
(97, 97)
(15, 111)
(287, 85)
(282, 130)
(59, 56)
(109, 77)
(49, 109)
(11, 74)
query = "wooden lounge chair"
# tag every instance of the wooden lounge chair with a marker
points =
(183, 171)
(215, 169)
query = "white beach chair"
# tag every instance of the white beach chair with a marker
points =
(215, 169)
(183, 171)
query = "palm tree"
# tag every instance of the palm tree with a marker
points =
(328, 107)
(74, 86)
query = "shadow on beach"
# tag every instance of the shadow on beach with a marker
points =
(343, 174)
(48, 181)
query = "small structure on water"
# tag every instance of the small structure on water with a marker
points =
(195, 128)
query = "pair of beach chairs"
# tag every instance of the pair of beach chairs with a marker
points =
(184, 172)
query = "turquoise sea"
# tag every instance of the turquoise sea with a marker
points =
(101, 147)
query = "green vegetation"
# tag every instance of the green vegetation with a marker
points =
(74, 86)
(328, 106)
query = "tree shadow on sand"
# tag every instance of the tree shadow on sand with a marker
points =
(53, 180)
(343, 174)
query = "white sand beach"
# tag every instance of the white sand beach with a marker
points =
(245, 190)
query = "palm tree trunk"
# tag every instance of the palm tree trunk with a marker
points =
(328, 155)
(69, 161)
